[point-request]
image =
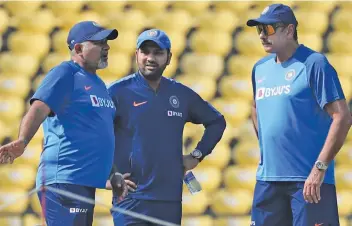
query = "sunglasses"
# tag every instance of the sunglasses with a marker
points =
(269, 29)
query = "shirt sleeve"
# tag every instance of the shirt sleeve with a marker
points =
(325, 82)
(114, 96)
(56, 88)
(201, 112)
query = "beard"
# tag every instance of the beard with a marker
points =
(102, 64)
(153, 75)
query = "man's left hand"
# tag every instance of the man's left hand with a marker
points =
(311, 191)
(119, 185)
(189, 162)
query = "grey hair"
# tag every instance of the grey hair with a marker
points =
(73, 51)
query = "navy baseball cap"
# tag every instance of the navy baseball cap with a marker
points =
(275, 13)
(89, 31)
(155, 35)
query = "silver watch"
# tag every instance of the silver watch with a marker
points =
(321, 165)
(196, 154)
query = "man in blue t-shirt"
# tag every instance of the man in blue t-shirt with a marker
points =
(302, 119)
(77, 114)
(152, 111)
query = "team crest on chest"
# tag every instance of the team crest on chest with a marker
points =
(290, 75)
(174, 101)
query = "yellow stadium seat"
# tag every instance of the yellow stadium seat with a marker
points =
(246, 132)
(150, 8)
(249, 44)
(103, 196)
(67, 21)
(345, 5)
(10, 221)
(346, 83)
(338, 42)
(234, 110)
(31, 156)
(17, 8)
(202, 65)
(37, 81)
(194, 8)
(231, 86)
(15, 199)
(18, 64)
(205, 220)
(343, 176)
(125, 43)
(229, 134)
(339, 21)
(15, 86)
(231, 202)
(343, 222)
(238, 7)
(133, 20)
(11, 108)
(59, 42)
(41, 22)
(103, 221)
(242, 66)
(205, 87)
(19, 176)
(344, 157)
(178, 42)
(62, 8)
(323, 6)
(251, 14)
(317, 24)
(210, 42)
(246, 153)
(313, 40)
(4, 131)
(239, 177)
(31, 220)
(208, 177)
(171, 68)
(344, 202)
(35, 203)
(177, 20)
(53, 60)
(341, 63)
(222, 21)
(106, 8)
(4, 20)
(233, 221)
(349, 135)
(194, 204)
(219, 158)
(119, 66)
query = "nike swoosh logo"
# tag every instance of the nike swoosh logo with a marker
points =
(138, 104)
(87, 87)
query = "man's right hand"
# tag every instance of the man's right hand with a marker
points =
(11, 151)
(120, 185)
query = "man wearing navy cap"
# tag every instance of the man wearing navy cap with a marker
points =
(77, 114)
(301, 119)
(151, 113)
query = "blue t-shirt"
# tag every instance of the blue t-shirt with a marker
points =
(79, 134)
(292, 123)
(149, 127)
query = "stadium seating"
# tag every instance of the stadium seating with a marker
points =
(213, 53)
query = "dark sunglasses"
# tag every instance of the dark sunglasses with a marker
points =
(269, 29)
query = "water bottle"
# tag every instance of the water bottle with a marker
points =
(192, 183)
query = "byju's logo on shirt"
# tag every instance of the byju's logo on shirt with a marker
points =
(275, 91)
(174, 113)
(101, 102)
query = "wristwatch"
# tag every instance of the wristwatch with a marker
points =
(196, 154)
(321, 165)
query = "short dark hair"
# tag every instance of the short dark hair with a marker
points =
(295, 34)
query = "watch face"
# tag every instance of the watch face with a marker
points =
(197, 154)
